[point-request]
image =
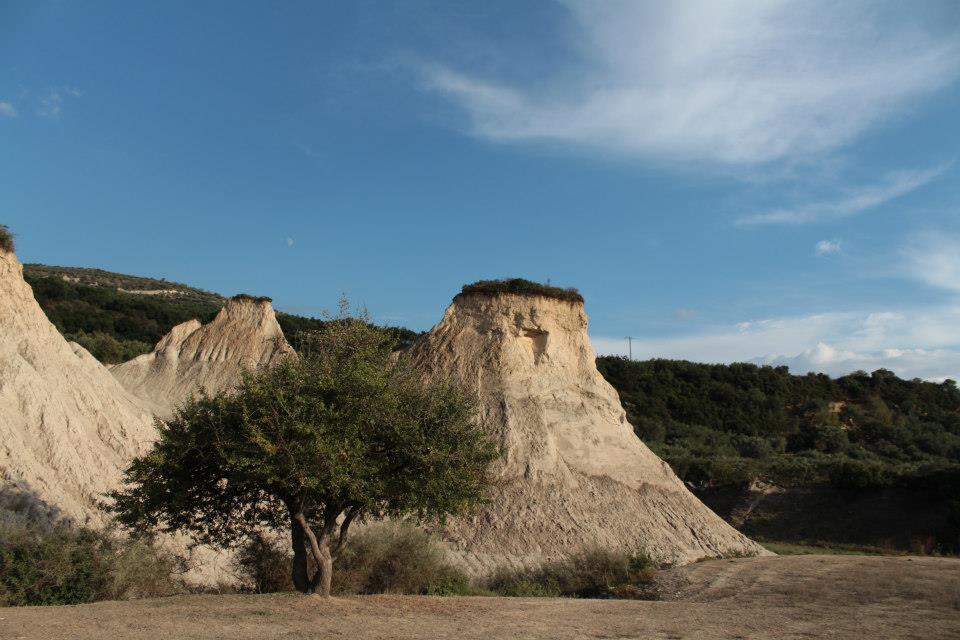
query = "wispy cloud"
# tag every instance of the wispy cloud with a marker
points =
(852, 202)
(7, 110)
(827, 247)
(732, 82)
(934, 259)
(919, 342)
(52, 102)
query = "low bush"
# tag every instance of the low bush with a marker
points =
(246, 297)
(382, 558)
(6, 239)
(593, 572)
(263, 565)
(62, 564)
(392, 558)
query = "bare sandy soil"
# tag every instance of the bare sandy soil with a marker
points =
(782, 597)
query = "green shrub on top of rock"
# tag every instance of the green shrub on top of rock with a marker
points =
(520, 286)
(6, 239)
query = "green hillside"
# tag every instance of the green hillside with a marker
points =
(861, 459)
(139, 285)
(114, 316)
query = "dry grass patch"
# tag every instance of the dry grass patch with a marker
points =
(593, 572)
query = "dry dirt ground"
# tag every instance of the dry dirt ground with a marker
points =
(780, 597)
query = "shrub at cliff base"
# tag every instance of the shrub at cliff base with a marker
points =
(383, 558)
(46, 564)
(593, 572)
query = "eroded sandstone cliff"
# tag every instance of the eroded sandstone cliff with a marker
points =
(244, 335)
(573, 472)
(67, 427)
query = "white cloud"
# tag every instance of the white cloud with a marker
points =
(734, 82)
(51, 103)
(289, 241)
(921, 342)
(826, 247)
(854, 201)
(936, 365)
(934, 258)
(7, 110)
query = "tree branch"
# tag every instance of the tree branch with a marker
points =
(311, 537)
(352, 513)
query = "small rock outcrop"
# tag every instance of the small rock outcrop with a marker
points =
(245, 335)
(573, 472)
(67, 427)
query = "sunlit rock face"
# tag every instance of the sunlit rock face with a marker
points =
(245, 335)
(67, 427)
(573, 473)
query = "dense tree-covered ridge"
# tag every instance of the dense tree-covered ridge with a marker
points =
(721, 424)
(519, 286)
(113, 325)
(123, 283)
(299, 329)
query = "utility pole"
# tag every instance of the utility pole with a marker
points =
(630, 346)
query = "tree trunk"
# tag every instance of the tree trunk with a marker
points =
(301, 577)
(324, 576)
(321, 554)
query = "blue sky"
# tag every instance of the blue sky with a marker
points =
(724, 181)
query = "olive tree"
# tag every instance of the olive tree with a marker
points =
(345, 431)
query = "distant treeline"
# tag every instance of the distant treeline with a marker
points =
(730, 424)
(297, 330)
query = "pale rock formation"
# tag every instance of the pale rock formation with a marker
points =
(67, 427)
(245, 335)
(573, 472)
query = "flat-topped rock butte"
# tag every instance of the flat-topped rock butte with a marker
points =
(573, 472)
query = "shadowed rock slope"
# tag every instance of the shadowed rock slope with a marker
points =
(67, 427)
(573, 472)
(244, 335)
